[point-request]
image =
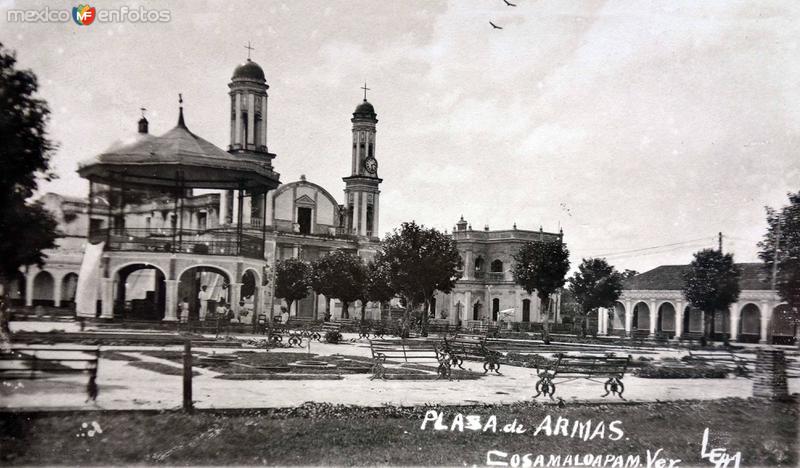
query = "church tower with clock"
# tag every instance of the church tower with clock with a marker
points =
(361, 191)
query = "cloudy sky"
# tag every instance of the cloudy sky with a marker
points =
(641, 128)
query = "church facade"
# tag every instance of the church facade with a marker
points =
(168, 215)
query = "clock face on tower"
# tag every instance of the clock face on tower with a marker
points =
(371, 165)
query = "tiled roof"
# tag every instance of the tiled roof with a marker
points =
(670, 277)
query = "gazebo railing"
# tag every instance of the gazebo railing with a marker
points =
(184, 241)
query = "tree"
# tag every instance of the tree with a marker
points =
(629, 274)
(341, 275)
(25, 150)
(541, 267)
(378, 287)
(783, 237)
(419, 262)
(711, 284)
(596, 284)
(291, 280)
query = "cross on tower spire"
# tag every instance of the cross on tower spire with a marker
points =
(249, 48)
(365, 91)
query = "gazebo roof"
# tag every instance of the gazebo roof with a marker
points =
(179, 154)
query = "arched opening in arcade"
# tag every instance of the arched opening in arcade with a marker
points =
(692, 321)
(526, 310)
(43, 289)
(249, 298)
(495, 308)
(69, 285)
(750, 324)
(139, 292)
(618, 319)
(16, 289)
(783, 326)
(720, 325)
(641, 317)
(666, 319)
(192, 282)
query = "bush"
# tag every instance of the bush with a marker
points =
(333, 337)
(664, 372)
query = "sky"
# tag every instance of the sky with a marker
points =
(640, 128)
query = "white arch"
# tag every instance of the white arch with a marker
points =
(231, 277)
(147, 265)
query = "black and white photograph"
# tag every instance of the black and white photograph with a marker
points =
(502, 233)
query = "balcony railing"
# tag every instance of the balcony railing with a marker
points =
(185, 241)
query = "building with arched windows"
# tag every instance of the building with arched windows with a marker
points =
(170, 215)
(486, 291)
(652, 304)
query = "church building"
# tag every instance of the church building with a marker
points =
(167, 215)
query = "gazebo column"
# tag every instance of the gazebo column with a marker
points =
(236, 295)
(171, 307)
(107, 298)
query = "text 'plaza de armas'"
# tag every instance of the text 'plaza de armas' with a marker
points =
(166, 215)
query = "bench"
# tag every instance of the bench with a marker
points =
(725, 358)
(348, 324)
(462, 347)
(570, 367)
(33, 362)
(396, 350)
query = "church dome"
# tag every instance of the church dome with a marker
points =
(365, 109)
(249, 71)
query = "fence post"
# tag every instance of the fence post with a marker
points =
(187, 375)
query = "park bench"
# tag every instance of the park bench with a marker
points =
(348, 324)
(33, 362)
(384, 351)
(462, 347)
(569, 367)
(723, 358)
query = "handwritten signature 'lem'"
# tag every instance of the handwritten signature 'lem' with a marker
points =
(719, 456)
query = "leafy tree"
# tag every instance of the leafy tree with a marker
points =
(783, 235)
(596, 284)
(291, 280)
(419, 262)
(340, 275)
(541, 267)
(378, 287)
(711, 284)
(25, 150)
(629, 274)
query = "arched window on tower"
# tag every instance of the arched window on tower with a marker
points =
(370, 215)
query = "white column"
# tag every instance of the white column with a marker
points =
(29, 287)
(734, 312)
(628, 318)
(679, 319)
(236, 295)
(171, 300)
(264, 120)
(251, 118)
(247, 205)
(57, 290)
(468, 306)
(653, 318)
(469, 267)
(235, 196)
(363, 209)
(375, 217)
(600, 313)
(238, 124)
(107, 298)
(765, 313)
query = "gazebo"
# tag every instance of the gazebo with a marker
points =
(168, 168)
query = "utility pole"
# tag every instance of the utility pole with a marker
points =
(720, 242)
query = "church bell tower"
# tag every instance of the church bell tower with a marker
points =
(361, 191)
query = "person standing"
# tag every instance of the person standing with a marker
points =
(221, 314)
(202, 298)
(184, 310)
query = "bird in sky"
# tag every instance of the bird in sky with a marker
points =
(509, 3)
(495, 26)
